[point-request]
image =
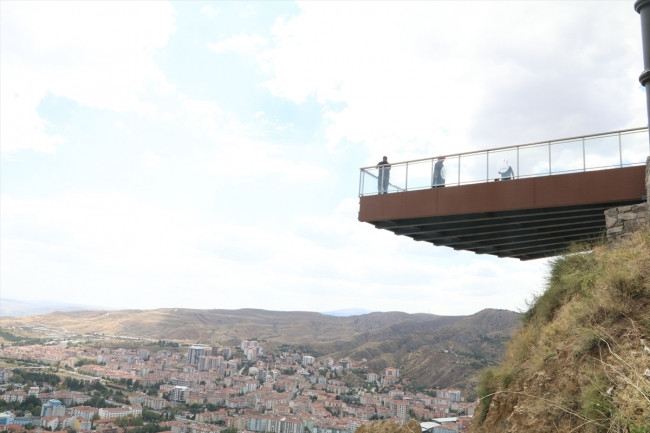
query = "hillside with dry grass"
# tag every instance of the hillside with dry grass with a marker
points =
(581, 361)
(389, 426)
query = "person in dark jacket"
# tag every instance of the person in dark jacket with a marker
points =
(383, 175)
(438, 173)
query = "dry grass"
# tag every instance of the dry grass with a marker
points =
(579, 364)
(388, 426)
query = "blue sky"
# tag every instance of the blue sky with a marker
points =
(207, 154)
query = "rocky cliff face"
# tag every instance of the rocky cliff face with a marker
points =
(581, 362)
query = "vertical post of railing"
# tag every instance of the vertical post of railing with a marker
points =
(487, 166)
(458, 182)
(620, 151)
(406, 181)
(584, 158)
(518, 169)
(550, 169)
(360, 183)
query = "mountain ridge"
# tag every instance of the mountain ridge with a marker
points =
(453, 347)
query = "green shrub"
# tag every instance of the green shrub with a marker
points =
(487, 386)
(595, 402)
(569, 274)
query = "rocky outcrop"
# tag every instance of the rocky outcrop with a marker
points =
(622, 221)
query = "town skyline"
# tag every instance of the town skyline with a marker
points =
(246, 389)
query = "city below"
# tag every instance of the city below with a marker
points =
(204, 389)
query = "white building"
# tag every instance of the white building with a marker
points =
(196, 351)
(52, 408)
(118, 412)
(179, 393)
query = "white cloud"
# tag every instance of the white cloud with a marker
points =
(209, 11)
(98, 54)
(110, 249)
(151, 160)
(235, 141)
(240, 43)
(22, 127)
(407, 79)
(428, 78)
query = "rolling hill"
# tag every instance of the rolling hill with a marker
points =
(430, 350)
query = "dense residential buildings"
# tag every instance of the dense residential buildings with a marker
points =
(196, 351)
(289, 392)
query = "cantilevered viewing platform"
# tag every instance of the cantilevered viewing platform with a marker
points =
(556, 195)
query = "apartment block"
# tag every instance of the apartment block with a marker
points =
(118, 412)
(196, 351)
(52, 408)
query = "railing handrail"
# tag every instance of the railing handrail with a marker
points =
(514, 146)
(406, 181)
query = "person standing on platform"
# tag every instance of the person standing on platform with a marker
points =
(439, 173)
(383, 175)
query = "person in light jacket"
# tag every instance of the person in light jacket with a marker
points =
(506, 171)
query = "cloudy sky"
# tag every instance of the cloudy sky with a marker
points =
(206, 154)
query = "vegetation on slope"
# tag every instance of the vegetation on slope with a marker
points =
(389, 426)
(581, 362)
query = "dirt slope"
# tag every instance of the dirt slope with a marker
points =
(581, 361)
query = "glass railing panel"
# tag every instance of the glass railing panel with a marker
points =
(534, 161)
(473, 168)
(368, 182)
(593, 152)
(566, 156)
(397, 178)
(502, 164)
(635, 147)
(602, 152)
(419, 174)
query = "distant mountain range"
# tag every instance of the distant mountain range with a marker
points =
(13, 307)
(431, 350)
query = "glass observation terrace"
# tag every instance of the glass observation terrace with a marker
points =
(616, 149)
(555, 195)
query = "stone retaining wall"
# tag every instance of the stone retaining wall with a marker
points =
(621, 221)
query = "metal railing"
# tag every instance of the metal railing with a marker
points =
(607, 150)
